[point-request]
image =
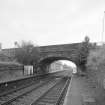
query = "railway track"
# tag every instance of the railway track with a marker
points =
(22, 87)
(16, 97)
(55, 95)
(10, 85)
(49, 92)
(9, 97)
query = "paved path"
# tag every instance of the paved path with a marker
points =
(80, 92)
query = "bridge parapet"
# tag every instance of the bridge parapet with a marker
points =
(62, 47)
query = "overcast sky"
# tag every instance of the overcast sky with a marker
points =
(47, 22)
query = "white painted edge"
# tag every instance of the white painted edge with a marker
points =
(69, 88)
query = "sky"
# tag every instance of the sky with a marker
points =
(48, 22)
(68, 63)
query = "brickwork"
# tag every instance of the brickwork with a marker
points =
(49, 54)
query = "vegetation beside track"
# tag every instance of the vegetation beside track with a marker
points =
(96, 71)
(96, 65)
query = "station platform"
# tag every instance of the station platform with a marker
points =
(13, 79)
(79, 92)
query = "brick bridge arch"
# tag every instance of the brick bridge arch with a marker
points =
(49, 54)
(44, 63)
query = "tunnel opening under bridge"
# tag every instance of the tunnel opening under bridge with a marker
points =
(45, 65)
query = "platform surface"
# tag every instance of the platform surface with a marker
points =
(79, 92)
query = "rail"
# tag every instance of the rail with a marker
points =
(52, 96)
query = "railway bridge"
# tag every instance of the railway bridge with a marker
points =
(49, 54)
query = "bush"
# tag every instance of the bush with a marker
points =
(96, 64)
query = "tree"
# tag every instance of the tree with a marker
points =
(27, 53)
(84, 51)
(86, 39)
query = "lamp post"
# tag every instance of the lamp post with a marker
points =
(103, 21)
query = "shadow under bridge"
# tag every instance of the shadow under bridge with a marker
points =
(45, 63)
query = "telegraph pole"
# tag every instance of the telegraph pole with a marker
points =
(103, 26)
